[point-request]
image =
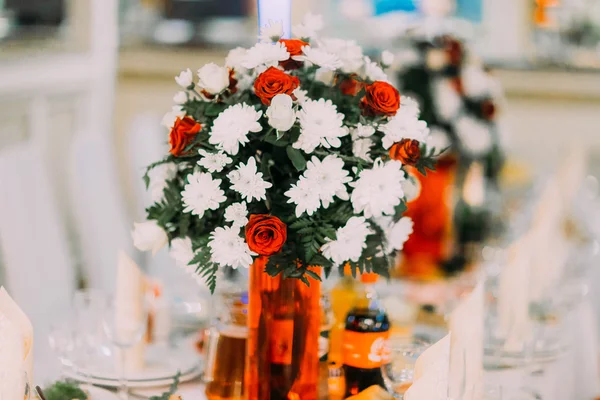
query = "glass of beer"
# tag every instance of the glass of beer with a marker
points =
(226, 349)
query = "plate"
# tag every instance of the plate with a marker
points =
(162, 363)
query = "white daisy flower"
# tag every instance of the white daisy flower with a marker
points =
(377, 191)
(213, 162)
(169, 118)
(202, 193)
(182, 252)
(300, 95)
(149, 236)
(448, 102)
(305, 195)
(474, 136)
(476, 82)
(228, 248)
(350, 241)
(396, 233)
(265, 55)
(361, 142)
(231, 127)
(325, 76)
(387, 58)
(185, 79)
(374, 72)
(237, 214)
(248, 182)
(403, 125)
(246, 81)
(438, 139)
(180, 97)
(409, 106)
(310, 26)
(159, 180)
(319, 57)
(321, 125)
(235, 58)
(348, 51)
(329, 177)
(271, 32)
(362, 131)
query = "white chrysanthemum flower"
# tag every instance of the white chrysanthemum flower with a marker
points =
(170, 117)
(409, 106)
(377, 191)
(305, 195)
(403, 125)
(248, 182)
(246, 81)
(329, 177)
(213, 162)
(235, 58)
(396, 233)
(149, 236)
(476, 82)
(202, 193)
(271, 32)
(438, 139)
(474, 136)
(325, 76)
(180, 97)
(373, 71)
(265, 55)
(321, 125)
(447, 101)
(319, 57)
(213, 79)
(227, 248)
(361, 141)
(182, 252)
(300, 95)
(237, 214)
(387, 58)
(309, 27)
(159, 179)
(350, 241)
(362, 131)
(231, 127)
(349, 53)
(185, 79)
(281, 114)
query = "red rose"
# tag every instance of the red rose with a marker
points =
(454, 50)
(265, 234)
(182, 134)
(232, 82)
(294, 47)
(350, 86)
(381, 98)
(407, 151)
(273, 82)
(488, 109)
(457, 85)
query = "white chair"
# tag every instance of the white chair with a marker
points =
(38, 267)
(98, 208)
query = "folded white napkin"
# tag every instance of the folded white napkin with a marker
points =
(431, 373)
(16, 346)
(466, 346)
(513, 295)
(129, 297)
(438, 351)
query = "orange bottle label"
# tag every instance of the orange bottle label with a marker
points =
(366, 349)
(281, 341)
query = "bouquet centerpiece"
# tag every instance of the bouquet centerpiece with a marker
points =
(291, 157)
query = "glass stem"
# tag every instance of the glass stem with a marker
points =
(123, 394)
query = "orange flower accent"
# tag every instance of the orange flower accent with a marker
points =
(488, 109)
(350, 86)
(265, 234)
(407, 151)
(232, 82)
(381, 98)
(273, 82)
(182, 134)
(294, 47)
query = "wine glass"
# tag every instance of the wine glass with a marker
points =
(88, 306)
(124, 324)
(398, 374)
(61, 338)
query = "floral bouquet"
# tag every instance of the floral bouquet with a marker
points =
(294, 150)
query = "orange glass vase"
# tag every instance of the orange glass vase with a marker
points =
(284, 320)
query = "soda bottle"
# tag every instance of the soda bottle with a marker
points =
(365, 339)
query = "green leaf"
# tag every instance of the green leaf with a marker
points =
(214, 109)
(296, 158)
(313, 275)
(276, 141)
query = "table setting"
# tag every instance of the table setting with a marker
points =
(353, 242)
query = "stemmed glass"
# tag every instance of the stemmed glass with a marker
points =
(88, 307)
(124, 324)
(398, 374)
(61, 338)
